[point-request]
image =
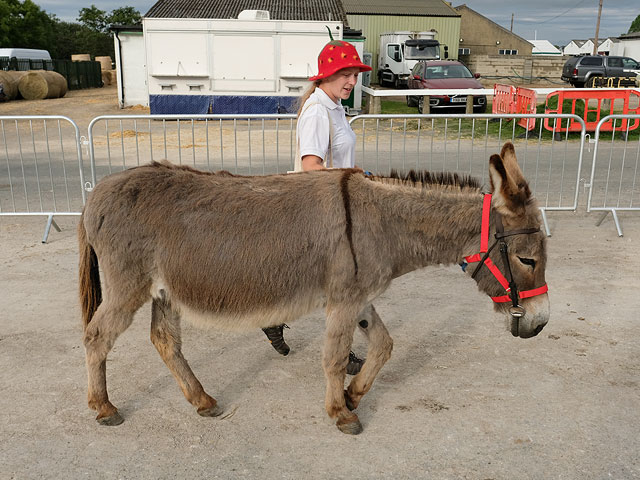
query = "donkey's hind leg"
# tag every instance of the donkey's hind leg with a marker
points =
(380, 346)
(165, 335)
(100, 334)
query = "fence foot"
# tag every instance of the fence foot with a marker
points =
(544, 221)
(616, 220)
(50, 221)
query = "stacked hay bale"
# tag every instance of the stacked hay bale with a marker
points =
(9, 84)
(40, 84)
(108, 74)
(81, 57)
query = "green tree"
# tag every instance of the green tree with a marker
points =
(74, 38)
(99, 20)
(635, 25)
(25, 25)
(124, 16)
(93, 18)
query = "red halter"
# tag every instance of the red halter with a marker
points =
(483, 257)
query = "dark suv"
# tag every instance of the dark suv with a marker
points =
(587, 70)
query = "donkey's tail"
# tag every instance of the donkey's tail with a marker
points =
(88, 277)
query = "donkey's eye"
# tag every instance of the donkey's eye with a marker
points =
(528, 261)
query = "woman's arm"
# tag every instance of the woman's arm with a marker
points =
(312, 162)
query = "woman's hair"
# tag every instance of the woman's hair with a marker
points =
(305, 96)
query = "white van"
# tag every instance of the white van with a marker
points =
(26, 53)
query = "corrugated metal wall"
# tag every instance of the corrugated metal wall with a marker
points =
(373, 25)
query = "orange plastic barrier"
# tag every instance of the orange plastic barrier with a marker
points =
(504, 98)
(526, 102)
(591, 116)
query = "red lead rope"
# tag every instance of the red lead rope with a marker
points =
(484, 246)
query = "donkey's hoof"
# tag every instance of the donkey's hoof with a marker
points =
(214, 411)
(349, 402)
(350, 428)
(111, 420)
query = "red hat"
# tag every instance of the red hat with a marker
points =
(335, 56)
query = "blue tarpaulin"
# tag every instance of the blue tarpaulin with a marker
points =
(221, 104)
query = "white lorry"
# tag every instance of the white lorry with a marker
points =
(400, 51)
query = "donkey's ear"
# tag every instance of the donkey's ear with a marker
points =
(508, 185)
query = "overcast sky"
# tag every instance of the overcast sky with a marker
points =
(556, 20)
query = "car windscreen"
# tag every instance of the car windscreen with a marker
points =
(448, 71)
(421, 52)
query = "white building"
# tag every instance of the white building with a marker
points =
(131, 67)
(585, 47)
(544, 48)
(217, 57)
(628, 46)
(578, 47)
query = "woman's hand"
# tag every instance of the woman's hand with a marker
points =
(312, 162)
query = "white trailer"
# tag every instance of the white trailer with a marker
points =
(400, 51)
(231, 66)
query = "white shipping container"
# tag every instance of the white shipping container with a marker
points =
(231, 57)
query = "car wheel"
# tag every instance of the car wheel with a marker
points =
(411, 101)
(591, 83)
(421, 105)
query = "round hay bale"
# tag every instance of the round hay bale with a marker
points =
(8, 87)
(81, 57)
(105, 63)
(39, 84)
(57, 84)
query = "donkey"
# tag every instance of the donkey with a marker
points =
(246, 252)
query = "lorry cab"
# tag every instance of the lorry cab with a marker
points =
(400, 51)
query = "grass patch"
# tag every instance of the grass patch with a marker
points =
(505, 128)
(391, 107)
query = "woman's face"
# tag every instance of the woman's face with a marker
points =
(340, 84)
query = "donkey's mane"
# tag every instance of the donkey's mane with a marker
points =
(427, 179)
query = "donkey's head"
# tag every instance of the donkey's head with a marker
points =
(513, 272)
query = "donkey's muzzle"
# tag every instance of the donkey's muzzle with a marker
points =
(515, 329)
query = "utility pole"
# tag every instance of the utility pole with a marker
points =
(595, 43)
(512, 22)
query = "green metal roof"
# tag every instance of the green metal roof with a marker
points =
(418, 8)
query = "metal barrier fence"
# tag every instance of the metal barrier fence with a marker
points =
(41, 181)
(41, 165)
(614, 184)
(464, 143)
(263, 144)
(244, 144)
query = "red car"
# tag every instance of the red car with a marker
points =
(445, 74)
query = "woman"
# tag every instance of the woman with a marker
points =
(325, 138)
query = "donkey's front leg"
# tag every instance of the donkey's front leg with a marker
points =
(380, 346)
(341, 323)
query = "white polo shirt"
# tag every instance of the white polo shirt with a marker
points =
(313, 131)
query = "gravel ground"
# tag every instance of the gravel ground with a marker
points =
(459, 399)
